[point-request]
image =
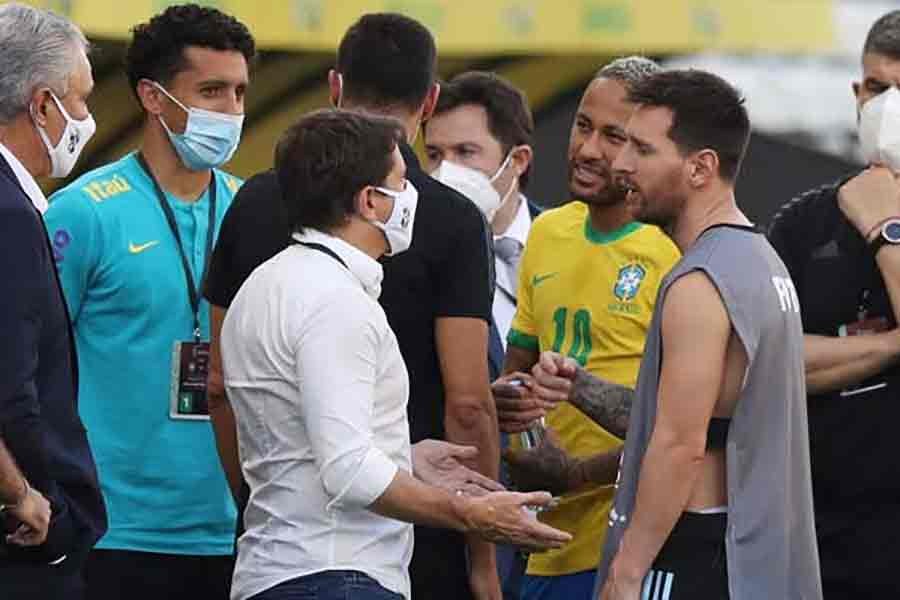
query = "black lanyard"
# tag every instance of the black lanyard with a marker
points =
(193, 291)
(322, 248)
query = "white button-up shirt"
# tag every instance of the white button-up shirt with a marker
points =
(319, 391)
(504, 308)
(29, 185)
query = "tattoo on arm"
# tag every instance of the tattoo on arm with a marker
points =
(606, 404)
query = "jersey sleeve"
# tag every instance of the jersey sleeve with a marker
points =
(523, 332)
(75, 235)
(465, 287)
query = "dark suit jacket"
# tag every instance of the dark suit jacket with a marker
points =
(39, 420)
(495, 345)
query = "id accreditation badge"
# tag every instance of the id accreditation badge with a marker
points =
(863, 326)
(190, 367)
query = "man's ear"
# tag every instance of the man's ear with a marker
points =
(430, 102)
(40, 101)
(704, 167)
(365, 203)
(521, 158)
(150, 96)
(335, 88)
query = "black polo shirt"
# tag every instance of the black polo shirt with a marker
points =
(854, 437)
(447, 272)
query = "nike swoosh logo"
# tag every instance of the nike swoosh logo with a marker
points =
(138, 248)
(539, 279)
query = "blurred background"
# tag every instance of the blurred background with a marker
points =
(793, 59)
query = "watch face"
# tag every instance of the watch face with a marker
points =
(891, 232)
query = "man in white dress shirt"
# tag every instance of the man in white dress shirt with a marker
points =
(319, 388)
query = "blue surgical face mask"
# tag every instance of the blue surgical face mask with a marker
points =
(209, 139)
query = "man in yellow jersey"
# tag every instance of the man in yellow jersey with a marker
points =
(587, 286)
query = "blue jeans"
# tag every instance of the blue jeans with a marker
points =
(329, 585)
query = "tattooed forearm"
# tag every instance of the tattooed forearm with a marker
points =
(607, 404)
(601, 469)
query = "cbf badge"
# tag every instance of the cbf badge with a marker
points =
(190, 367)
(629, 282)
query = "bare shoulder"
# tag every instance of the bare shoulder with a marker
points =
(693, 306)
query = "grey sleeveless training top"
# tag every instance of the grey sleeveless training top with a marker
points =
(770, 540)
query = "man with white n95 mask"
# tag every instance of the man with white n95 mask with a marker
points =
(479, 142)
(319, 388)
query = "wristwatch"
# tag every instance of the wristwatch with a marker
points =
(889, 234)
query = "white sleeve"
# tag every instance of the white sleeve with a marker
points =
(337, 353)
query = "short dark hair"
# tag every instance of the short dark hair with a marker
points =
(508, 116)
(326, 158)
(707, 112)
(884, 36)
(387, 60)
(157, 47)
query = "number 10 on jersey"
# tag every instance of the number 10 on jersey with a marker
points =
(580, 324)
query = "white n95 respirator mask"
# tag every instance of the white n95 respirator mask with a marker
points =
(879, 130)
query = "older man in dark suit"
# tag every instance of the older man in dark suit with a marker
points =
(49, 495)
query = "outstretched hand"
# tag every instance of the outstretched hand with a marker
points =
(503, 518)
(440, 464)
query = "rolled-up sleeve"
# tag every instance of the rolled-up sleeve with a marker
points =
(337, 362)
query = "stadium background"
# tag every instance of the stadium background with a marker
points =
(549, 48)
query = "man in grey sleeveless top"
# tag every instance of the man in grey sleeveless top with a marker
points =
(714, 496)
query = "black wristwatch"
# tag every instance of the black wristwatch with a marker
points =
(889, 234)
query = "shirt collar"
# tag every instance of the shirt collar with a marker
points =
(364, 268)
(29, 185)
(518, 229)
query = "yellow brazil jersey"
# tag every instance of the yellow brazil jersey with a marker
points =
(588, 295)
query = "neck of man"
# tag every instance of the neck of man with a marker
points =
(610, 217)
(506, 214)
(171, 174)
(21, 138)
(362, 236)
(716, 207)
(409, 119)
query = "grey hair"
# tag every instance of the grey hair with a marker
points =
(884, 36)
(38, 48)
(629, 70)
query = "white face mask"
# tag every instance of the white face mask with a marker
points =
(474, 185)
(398, 229)
(879, 129)
(74, 138)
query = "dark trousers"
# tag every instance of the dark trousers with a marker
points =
(62, 581)
(42, 582)
(439, 569)
(126, 575)
(329, 585)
